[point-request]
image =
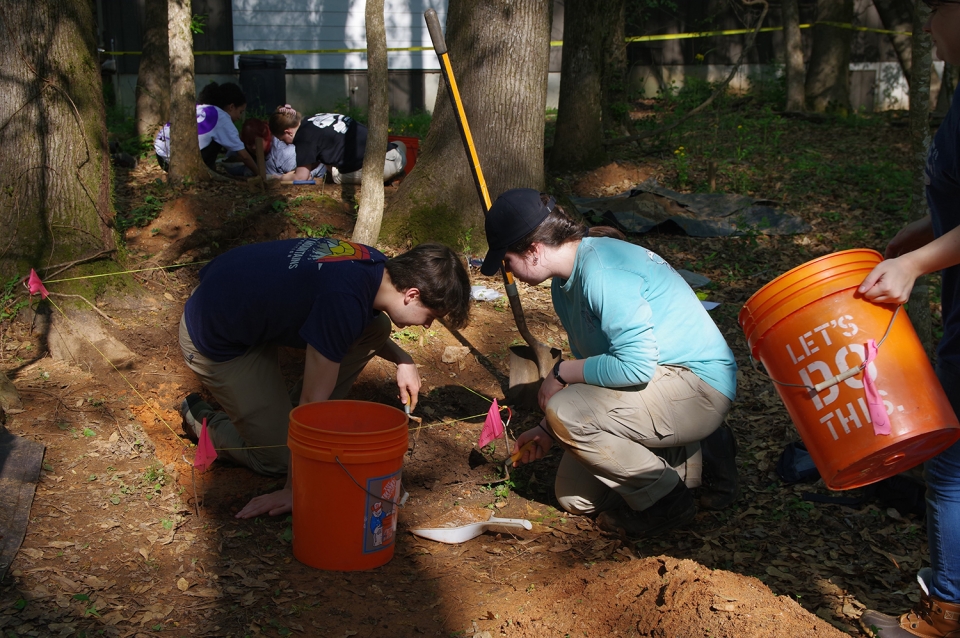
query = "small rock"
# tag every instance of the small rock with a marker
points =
(453, 354)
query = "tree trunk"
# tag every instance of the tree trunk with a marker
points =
(499, 51)
(922, 58)
(153, 76)
(613, 81)
(370, 215)
(793, 55)
(185, 160)
(55, 201)
(828, 76)
(578, 143)
(897, 15)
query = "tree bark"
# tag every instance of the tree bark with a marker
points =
(578, 143)
(153, 76)
(185, 160)
(793, 55)
(370, 215)
(922, 58)
(613, 81)
(499, 51)
(55, 201)
(897, 15)
(828, 76)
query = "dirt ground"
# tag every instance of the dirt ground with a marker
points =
(126, 540)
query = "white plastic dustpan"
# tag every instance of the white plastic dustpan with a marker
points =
(463, 533)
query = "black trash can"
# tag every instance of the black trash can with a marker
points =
(263, 80)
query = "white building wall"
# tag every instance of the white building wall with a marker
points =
(334, 24)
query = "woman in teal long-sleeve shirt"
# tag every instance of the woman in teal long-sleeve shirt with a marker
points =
(651, 376)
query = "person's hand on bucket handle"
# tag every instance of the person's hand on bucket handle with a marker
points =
(890, 281)
(274, 504)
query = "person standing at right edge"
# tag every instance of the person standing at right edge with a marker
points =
(925, 246)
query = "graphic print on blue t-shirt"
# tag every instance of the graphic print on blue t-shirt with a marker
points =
(326, 249)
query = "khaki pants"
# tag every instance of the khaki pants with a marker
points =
(632, 445)
(252, 429)
(393, 164)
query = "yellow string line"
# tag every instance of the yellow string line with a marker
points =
(132, 387)
(553, 43)
(223, 449)
(707, 34)
(126, 272)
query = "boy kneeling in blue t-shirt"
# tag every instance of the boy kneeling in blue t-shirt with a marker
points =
(333, 298)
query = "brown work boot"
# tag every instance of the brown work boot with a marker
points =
(721, 483)
(673, 510)
(930, 618)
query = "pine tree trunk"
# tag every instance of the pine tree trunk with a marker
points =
(499, 51)
(185, 160)
(922, 58)
(793, 55)
(370, 215)
(828, 76)
(153, 76)
(55, 202)
(578, 143)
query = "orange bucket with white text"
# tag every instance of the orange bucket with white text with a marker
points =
(345, 463)
(809, 326)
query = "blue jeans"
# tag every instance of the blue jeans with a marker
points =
(943, 503)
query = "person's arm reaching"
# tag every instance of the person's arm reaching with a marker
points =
(408, 377)
(248, 161)
(570, 372)
(319, 380)
(542, 439)
(892, 279)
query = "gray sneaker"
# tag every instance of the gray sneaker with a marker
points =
(193, 409)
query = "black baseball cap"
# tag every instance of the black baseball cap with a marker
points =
(514, 215)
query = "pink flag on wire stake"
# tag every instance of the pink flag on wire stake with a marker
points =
(878, 412)
(492, 427)
(205, 455)
(35, 285)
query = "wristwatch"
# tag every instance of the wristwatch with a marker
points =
(556, 373)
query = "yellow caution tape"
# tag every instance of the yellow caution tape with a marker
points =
(553, 43)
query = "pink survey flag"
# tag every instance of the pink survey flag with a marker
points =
(878, 412)
(492, 427)
(205, 455)
(35, 285)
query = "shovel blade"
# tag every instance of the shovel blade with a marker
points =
(527, 371)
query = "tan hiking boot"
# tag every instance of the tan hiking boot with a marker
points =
(930, 618)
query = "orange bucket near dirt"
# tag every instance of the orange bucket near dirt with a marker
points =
(345, 464)
(809, 326)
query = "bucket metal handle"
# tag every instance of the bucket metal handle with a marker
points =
(398, 503)
(843, 376)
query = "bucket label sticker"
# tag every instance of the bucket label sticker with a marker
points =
(817, 358)
(380, 518)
